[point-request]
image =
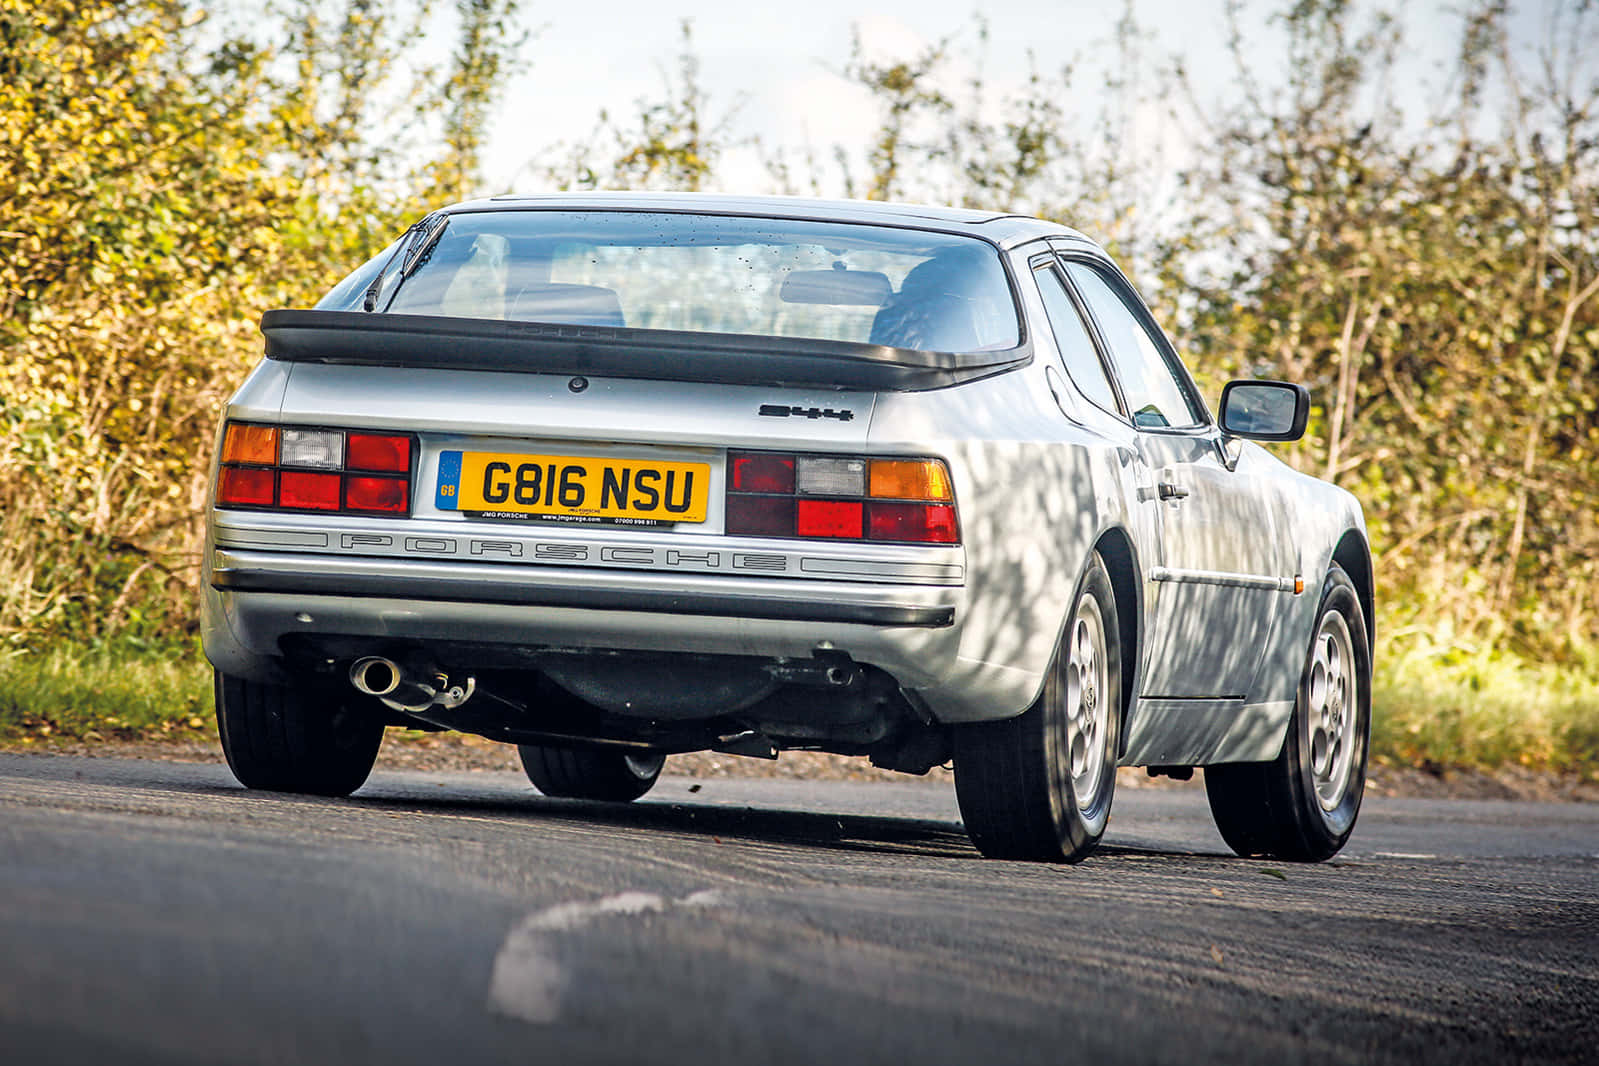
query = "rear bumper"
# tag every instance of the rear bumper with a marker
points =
(253, 600)
(246, 577)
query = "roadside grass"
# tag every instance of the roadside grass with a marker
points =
(1434, 707)
(1441, 706)
(108, 692)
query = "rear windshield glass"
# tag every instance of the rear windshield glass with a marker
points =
(655, 270)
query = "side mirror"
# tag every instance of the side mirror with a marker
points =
(1264, 410)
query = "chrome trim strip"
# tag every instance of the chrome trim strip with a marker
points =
(526, 548)
(864, 568)
(276, 538)
(1227, 580)
(655, 601)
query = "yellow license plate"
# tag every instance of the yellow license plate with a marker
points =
(571, 488)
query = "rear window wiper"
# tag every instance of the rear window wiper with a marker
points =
(424, 236)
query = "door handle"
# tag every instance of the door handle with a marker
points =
(1170, 490)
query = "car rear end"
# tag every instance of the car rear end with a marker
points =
(507, 508)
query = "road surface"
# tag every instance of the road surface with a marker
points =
(156, 912)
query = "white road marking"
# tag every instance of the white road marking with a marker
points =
(528, 981)
(1403, 855)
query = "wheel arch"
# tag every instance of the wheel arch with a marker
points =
(1121, 560)
(1354, 556)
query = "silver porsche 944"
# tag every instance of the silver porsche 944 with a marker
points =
(611, 477)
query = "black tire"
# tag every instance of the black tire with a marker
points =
(1019, 793)
(295, 738)
(590, 773)
(1288, 808)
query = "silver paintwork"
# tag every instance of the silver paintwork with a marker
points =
(1041, 478)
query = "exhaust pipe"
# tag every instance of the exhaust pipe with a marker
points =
(405, 690)
(375, 675)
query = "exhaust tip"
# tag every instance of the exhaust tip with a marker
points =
(375, 675)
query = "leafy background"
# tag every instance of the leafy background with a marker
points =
(1426, 264)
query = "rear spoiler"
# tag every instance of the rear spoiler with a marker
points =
(364, 339)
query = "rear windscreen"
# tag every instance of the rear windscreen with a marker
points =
(903, 288)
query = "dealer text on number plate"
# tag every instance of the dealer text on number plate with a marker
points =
(571, 488)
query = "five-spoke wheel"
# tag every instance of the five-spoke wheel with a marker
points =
(1330, 698)
(1086, 680)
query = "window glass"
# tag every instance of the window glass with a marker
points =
(1071, 337)
(1148, 383)
(350, 294)
(771, 277)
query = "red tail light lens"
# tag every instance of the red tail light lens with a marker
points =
(246, 486)
(761, 516)
(307, 468)
(386, 452)
(830, 518)
(390, 495)
(761, 472)
(311, 492)
(922, 523)
(841, 497)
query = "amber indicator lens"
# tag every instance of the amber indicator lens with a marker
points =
(371, 451)
(250, 444)
(910, 479)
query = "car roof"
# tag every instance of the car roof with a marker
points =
(1004, 229)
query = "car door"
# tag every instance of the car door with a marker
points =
(1212, 592)
(1086, 392)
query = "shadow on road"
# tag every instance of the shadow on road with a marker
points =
(871, 834)
(716, 822)
(849, 832)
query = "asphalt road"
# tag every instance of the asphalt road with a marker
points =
(156, 912)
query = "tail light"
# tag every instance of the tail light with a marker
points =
(906, 501)
(306, 468)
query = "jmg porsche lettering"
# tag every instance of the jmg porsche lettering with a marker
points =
(572, 488)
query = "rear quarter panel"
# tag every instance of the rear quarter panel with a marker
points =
(1034, 493)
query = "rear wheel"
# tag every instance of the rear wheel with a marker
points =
(590, 773)
(293, 738)
(1039, 786)
(1302, 805)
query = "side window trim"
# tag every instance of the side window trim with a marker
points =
(1052, 262)
(1129, 296)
